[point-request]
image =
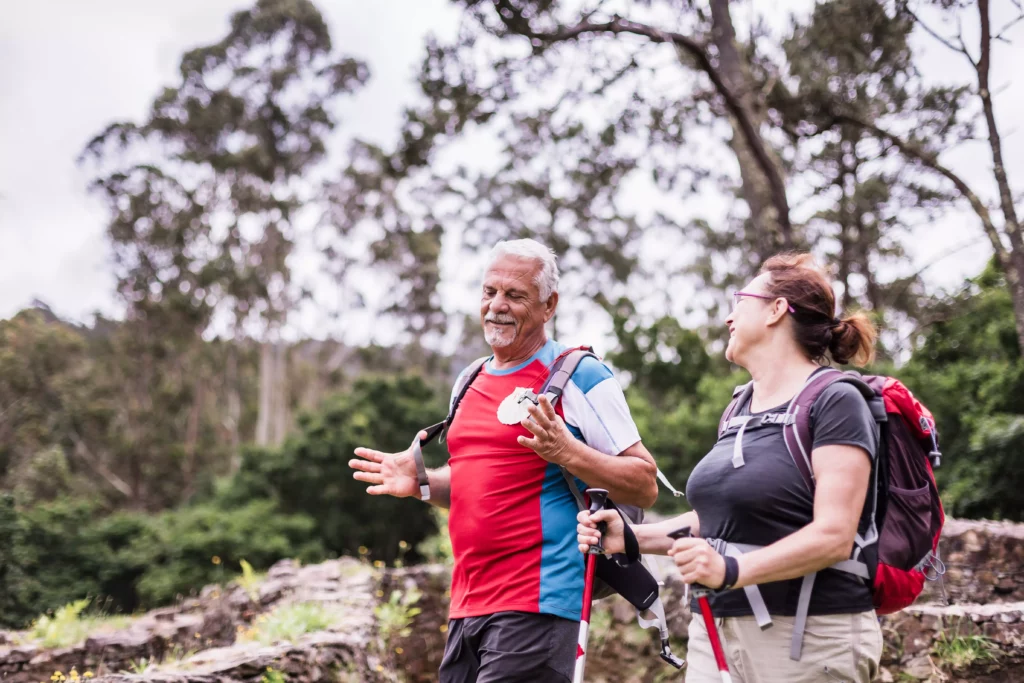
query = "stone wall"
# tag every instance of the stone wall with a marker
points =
(391, 626)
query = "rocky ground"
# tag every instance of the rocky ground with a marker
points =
(389, 625)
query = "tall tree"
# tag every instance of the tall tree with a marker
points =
(858, 52)
(920, 142)
(206, 194)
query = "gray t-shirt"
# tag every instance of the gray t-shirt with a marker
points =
(766, 500)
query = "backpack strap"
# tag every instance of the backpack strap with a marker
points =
(800, 442)
(441, 428)
(797, 429)
(739, 395)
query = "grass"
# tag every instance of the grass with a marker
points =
(288, 623)
(394, 617)
(250, 581)
(961, 651)
(68, 626)
(272, 675)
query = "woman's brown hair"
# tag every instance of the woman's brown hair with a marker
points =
(796, 278)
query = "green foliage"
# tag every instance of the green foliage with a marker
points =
(69, 626)
(958, 651)
(309, 474)
(250, 580)
(969, 372)
(16, 585)
(288, 623)
(394, 617)
(272, 675)
(192, 547)
(437, 548)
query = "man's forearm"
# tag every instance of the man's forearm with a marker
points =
(629, 479)
(440, 487)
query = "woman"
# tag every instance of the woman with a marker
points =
(782, 330)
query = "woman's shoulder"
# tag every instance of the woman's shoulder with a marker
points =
(840, 397)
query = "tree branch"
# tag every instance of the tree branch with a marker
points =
(930, 160)
(942, 39)
(83, 452)
(995, 142)
(618, 25)
(1010, 24)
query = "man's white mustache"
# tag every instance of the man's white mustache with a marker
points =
(500, 319)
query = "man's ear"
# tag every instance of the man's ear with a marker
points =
(549, 307)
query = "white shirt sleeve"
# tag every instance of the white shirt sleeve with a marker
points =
(595, 409)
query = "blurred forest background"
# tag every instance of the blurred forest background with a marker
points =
(145, 454)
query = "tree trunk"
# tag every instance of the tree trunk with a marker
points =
(271, 423)
(772, 234)
(266, 394)
(280, 415)
(234, 407)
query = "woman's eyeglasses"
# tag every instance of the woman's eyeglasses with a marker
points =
(739, 295)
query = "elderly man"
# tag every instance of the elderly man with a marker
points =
(517, 579)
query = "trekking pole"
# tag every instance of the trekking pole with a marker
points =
(597, 501)
(701, 593)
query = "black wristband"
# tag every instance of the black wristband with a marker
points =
(732, 573)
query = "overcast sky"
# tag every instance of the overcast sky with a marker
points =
(70, 67)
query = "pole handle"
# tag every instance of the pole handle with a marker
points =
(598, 499)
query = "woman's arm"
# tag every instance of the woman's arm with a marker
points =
(652, 538)
(842, 474)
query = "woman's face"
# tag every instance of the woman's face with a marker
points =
(749, 323)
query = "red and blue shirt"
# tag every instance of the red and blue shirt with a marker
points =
(513, 518)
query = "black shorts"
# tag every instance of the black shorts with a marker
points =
(510, 646)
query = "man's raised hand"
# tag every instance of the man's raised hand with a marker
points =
(391, 474)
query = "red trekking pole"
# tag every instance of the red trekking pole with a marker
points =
(701, 593)
(597, 501)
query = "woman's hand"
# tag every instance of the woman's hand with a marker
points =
(588, 535)
(698, 562)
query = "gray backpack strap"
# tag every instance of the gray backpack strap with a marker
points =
(554, 387)
(441, 428)
(757, 606)
(739, 395)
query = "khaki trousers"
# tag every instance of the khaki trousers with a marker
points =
(837, 647)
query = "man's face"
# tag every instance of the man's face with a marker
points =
(511, 311)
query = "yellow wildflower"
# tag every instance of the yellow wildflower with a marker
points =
(378, 563)
(363, 550)
(399, 650)
(215, 559)
(444, 628)
(403, 545)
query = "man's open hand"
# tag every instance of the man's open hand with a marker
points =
(391, 474)
(551, 438)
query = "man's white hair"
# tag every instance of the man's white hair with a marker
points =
(547, 277)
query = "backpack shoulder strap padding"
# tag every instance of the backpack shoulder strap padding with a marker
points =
(562, 369)
(462, 386)
(739, 395)
(797, 433)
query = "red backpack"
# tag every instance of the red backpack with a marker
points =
(900, 542)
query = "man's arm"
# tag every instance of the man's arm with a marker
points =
(629, 477)
(440, 487)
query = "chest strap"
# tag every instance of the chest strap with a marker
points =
(757, 606)
(745, 422)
